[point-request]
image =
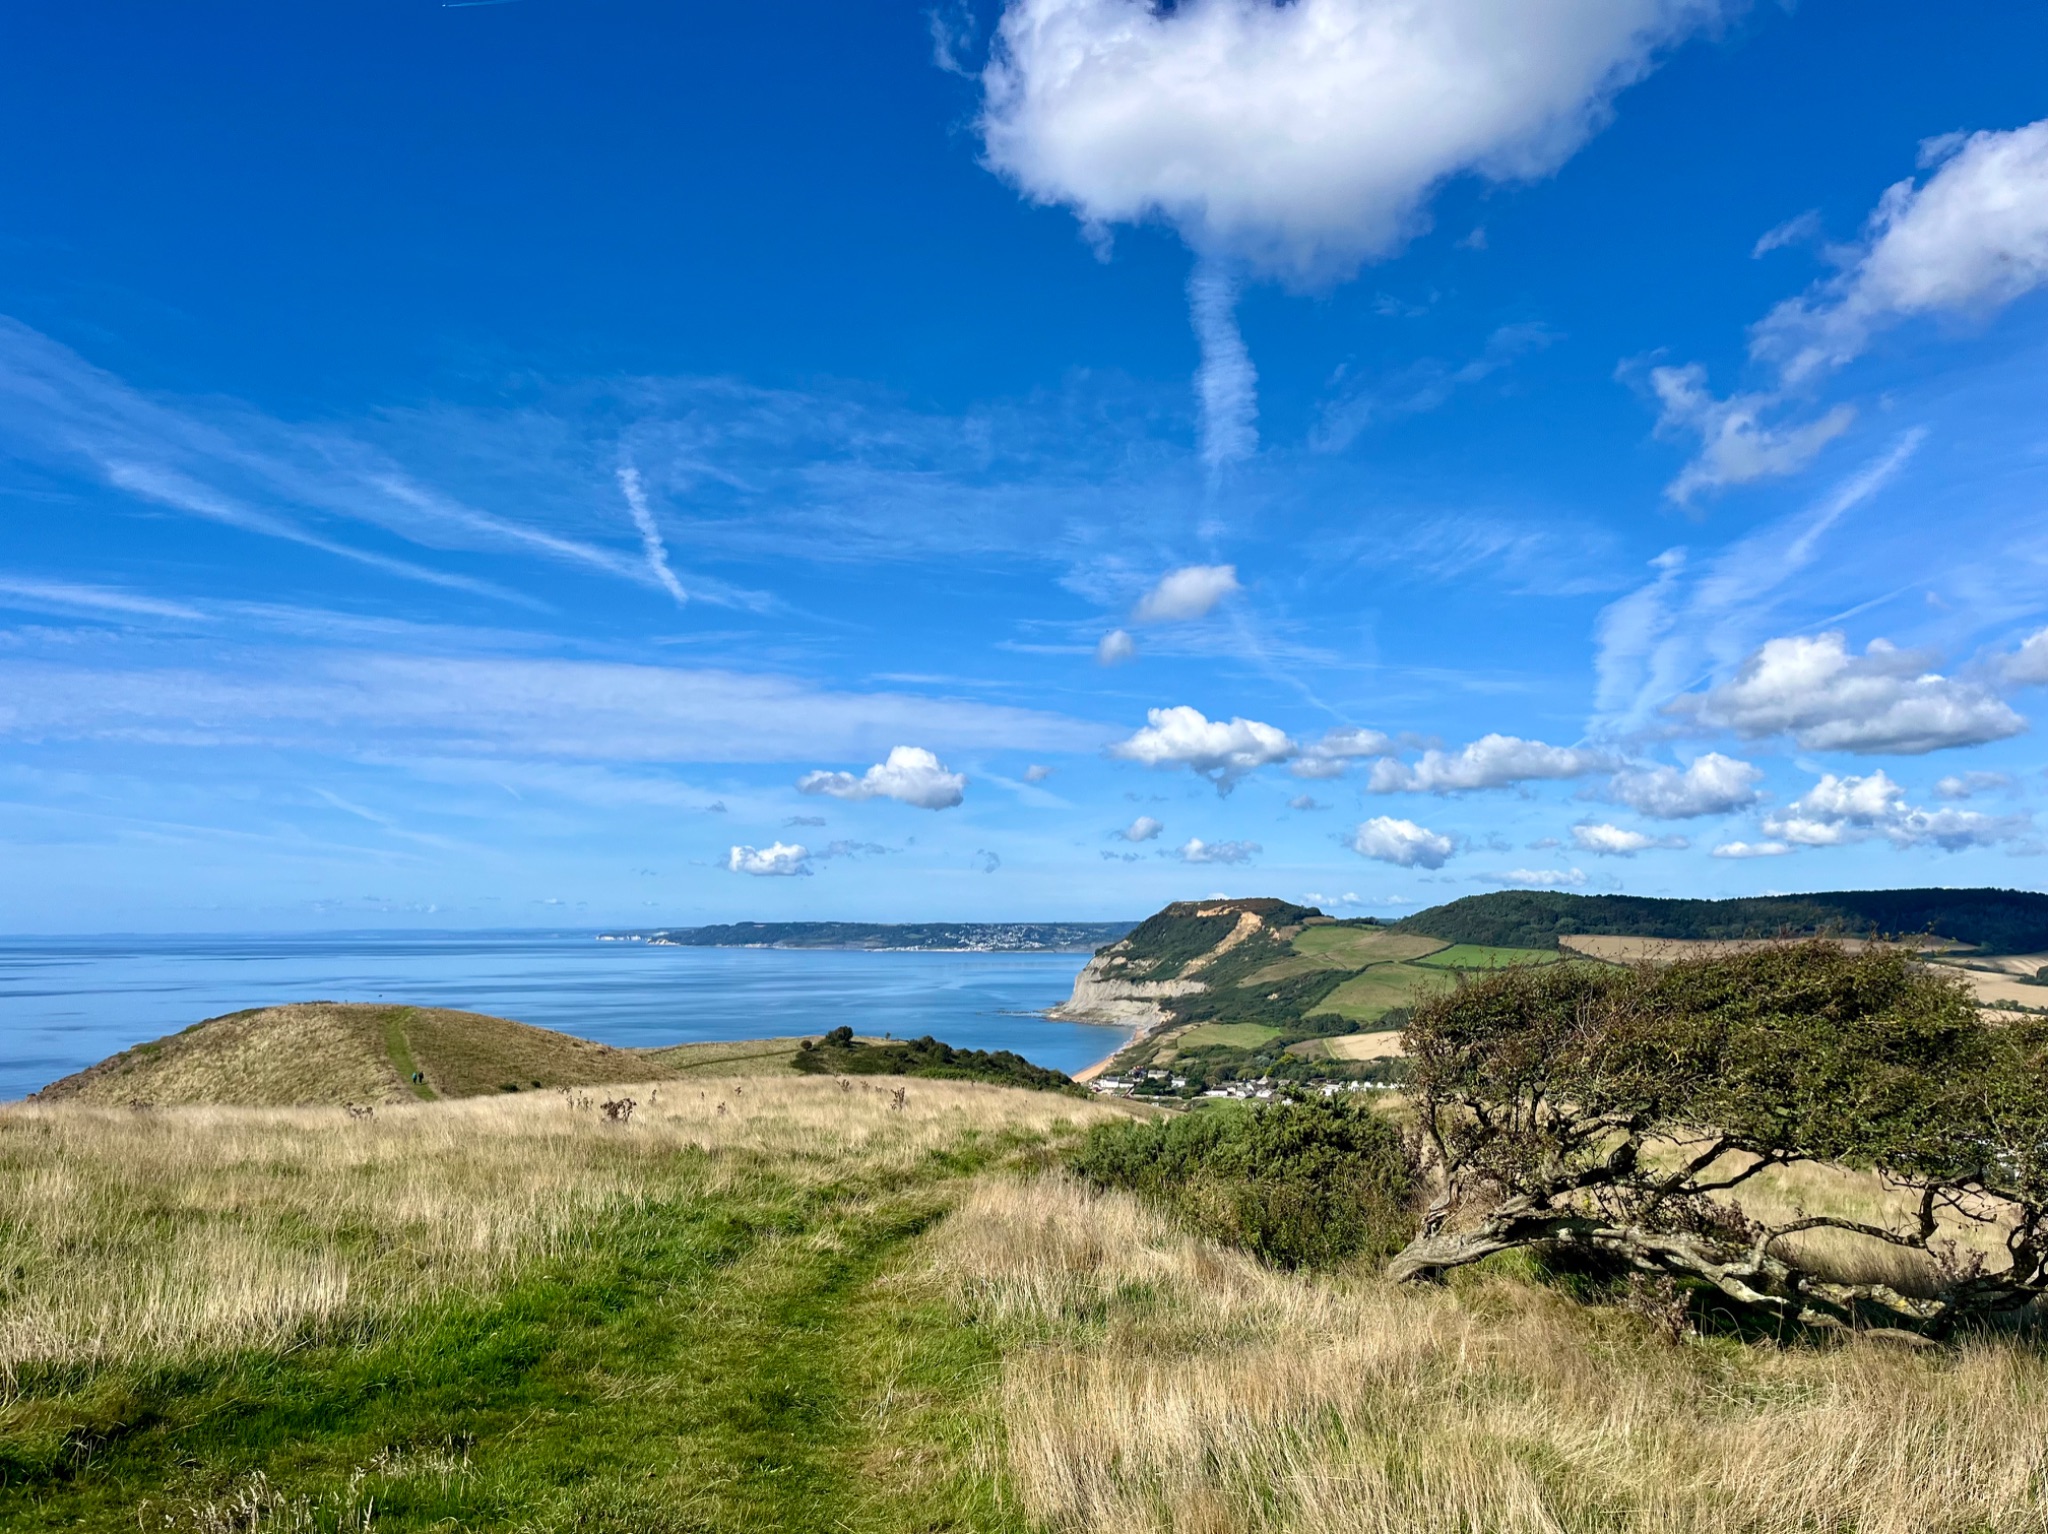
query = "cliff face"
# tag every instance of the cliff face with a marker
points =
(1128, 982)
(1106, 991)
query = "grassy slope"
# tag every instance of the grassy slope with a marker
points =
(716, 1336)
(330, 1052)
(766, 1319)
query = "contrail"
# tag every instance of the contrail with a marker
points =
(1226, 383)
(643, 518)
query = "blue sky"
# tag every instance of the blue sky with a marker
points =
(607, 464)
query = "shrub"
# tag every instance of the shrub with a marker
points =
(1299, 1184)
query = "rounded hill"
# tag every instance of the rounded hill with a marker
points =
(341, 1052)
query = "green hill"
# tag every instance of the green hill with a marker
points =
(1993, 920)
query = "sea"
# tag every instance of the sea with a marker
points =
(67, 1002)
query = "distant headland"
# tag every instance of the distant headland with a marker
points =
(893, 937)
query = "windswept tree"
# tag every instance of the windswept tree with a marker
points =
(1619, 1113)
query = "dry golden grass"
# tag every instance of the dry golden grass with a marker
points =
(1156, 1383)
(343, 1052)
(135, 1235)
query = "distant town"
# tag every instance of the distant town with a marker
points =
(889, 937)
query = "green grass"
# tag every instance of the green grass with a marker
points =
(1368, 997)
(1356, 947)
(401, 1056)
(1481, 956)
(695, 1362)
(1228, 1036)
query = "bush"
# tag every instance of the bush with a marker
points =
(1299, 1184)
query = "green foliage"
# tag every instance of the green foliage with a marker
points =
(839, 1053)
(1999, 921)
(1299, 1184)
(1550, 1084)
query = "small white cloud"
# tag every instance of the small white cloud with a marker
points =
(1970, 240)
(1305, 802)
(1797, 230)
(1711, 784)
(804, 820)
(1187, 593)
(1752, 850)
(1218, 750)
(1115, 648)
(1539, 878)
(1967, 785)
(911, 775)
(1037, 772)
(1737, 447)
(782, 860)
(1492, 761)
(1883, 701)
(1143, 829)
(1337, 750)
(1618, 842)
(1401, 842)
(1195, 850)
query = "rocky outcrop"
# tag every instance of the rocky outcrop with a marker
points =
(1111, 989)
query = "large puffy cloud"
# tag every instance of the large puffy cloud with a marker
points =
(1971, 239)
(1195, 850)
(1337, 750)
(1611, 841)
(1187, 593)
(1296, 140)
(1402, 843)
(911, 775)
(1221, 751)
(1492, 761)
(1302, 138)
(1838, 810)
(1711, 784)
(780, 860)
(1885, 700)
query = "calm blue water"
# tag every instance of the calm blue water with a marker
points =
(66, 1002)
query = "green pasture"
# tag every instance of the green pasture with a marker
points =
(1480, 956)
(1227, 1036)
(1368, 997)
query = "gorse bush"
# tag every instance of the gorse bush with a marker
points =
(1299, 1184)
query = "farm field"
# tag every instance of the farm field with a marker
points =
(1228, 1035)
(1356, 947)
(1369, 996)
(1479, 956)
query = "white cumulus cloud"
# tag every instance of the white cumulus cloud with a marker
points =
(1187, 593)
(1337, 750)
(1711, 784)
(1752, 850)
(1305, 138)
(1143, 829)
(1195, 850)
(1219, 750)
(1610, 841)
(2028, 665)
(1970, 239)
(1838, 810)
(1539, 878)
(1967, 785)
(781, 860)
(1401, 842)
(1492, 761)
(1883, 701)
(911, 775)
